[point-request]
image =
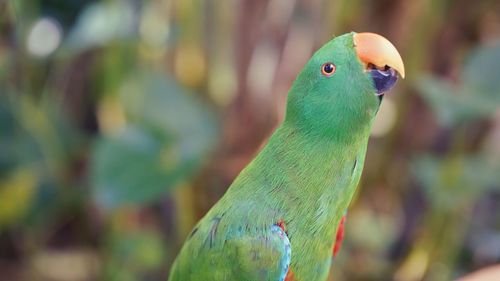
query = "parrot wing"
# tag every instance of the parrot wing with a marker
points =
(263, 255)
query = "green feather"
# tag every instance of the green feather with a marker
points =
(305, 176)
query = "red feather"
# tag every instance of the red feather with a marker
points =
(339, 237)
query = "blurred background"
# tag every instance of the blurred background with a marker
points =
(123, 122)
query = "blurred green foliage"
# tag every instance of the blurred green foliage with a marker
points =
(122, 122)
(475, 96)
(167, 134)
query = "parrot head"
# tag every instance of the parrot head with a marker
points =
(340, 89)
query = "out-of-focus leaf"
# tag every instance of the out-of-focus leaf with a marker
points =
(134, 254)
(101, 23)
(156, 101)
(144, 249)
(128, 168)
(167, 135)
(33, 132)
(482, 171)
(16, 194)
(476, 95)
(442, 182)
(439, 95)
(35, 136)
(454, 104)
(457, 180)
(17, 147)
(481, 72)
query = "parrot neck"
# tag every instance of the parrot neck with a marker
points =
(308, 180)
(314, 162)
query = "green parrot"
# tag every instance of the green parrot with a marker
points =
(282, 217)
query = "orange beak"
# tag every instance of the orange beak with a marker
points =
(374, 49)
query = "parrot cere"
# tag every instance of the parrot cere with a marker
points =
(282, 218)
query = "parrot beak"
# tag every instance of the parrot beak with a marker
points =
(380, 58)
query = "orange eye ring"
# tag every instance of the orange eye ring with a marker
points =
(328, 69)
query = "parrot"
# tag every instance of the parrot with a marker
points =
(282, 218)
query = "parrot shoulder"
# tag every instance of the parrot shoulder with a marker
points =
(262, 256)
(238, 254)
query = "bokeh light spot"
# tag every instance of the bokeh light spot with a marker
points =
(386, 117)
(44, 37)
(190, 65)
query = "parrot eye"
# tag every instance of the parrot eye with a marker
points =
(328, 69)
